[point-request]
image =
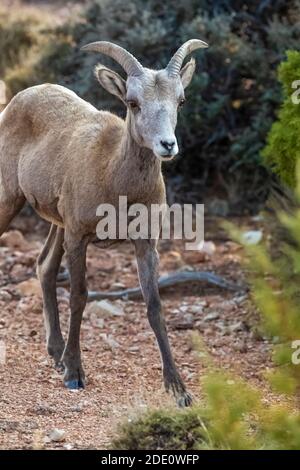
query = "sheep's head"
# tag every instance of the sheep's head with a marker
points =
(153, 97)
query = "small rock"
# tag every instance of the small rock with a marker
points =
(110, 341)
(211, 316)
(184, 308)
(57, 435)
(32, 304)
(185, 322)
(252, 237)
(118, 285)
(175, 311)
(104, 309)
(97, 322)
(18, 270)
(208, 248)
(4, 295)
(227, 306)
(186, 267)
(77, 408)
(238, 326)
(258, 218)
(14, 239)
(196, 309)
(240, 346)
(30, 287)
(43, 410)
(68, 446)
(240, 299)
(188, 319)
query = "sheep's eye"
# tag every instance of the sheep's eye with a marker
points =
(181, 102)
(133, 104)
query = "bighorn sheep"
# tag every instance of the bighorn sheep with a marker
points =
(65, 158)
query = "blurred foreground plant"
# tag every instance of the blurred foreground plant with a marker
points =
(283, 149)
(233, 414)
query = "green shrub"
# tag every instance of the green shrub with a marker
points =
(35, 69)
(17, 36)
(233, 414)
(227, 419)
(31, 48)
(283, 149)
(163, 429)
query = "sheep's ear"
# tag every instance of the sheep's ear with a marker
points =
(187, 72)
(111, 81)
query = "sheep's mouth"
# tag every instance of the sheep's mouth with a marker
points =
(165, 157)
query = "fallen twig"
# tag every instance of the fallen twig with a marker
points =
(169, 280)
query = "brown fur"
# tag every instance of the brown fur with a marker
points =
(66, 186)
(66, 158)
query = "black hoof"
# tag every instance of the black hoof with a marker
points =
(74, 384)
(185, 400)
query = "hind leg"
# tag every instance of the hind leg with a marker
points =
(8, 210)
(47, 268)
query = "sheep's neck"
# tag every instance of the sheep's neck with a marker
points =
(138, 169)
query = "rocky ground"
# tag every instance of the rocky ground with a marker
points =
(119, 352)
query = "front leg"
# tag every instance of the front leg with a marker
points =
(147, 260)
(47, 268)
(75, 249)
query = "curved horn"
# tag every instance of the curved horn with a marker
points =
(129, 63)
(176, 62)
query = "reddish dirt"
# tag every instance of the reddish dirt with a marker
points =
(125, 377)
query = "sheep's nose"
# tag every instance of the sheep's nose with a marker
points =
(168, 144)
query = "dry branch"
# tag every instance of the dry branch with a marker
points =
(169, 280)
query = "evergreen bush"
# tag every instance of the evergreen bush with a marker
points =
(234, 414)
(283, 148)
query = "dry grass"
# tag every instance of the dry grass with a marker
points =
(29, 34)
